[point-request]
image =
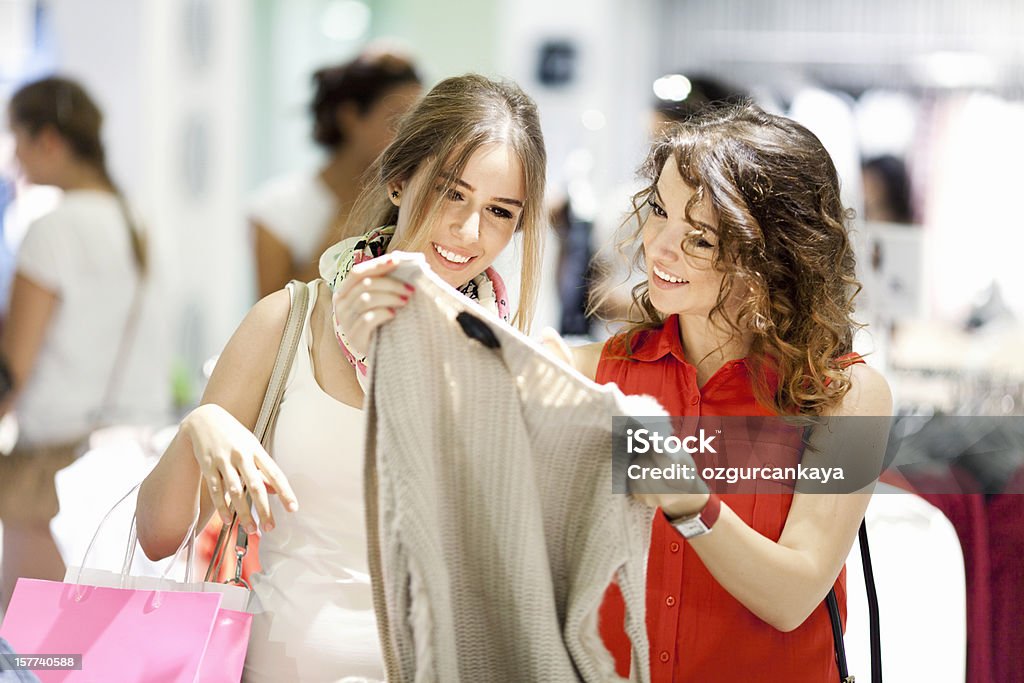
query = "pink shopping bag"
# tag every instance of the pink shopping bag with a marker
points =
(225, 654)
(123, 635)
(229, 638)
(132, 629)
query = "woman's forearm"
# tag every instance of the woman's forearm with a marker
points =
(168, 498)
(781, 582)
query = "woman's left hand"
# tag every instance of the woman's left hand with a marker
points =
(676, 497)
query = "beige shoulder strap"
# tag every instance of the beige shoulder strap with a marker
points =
(268, 411)
(283, 362)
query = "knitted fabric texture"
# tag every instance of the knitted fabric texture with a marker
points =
(493, 528)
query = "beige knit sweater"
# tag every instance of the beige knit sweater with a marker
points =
(493, 528)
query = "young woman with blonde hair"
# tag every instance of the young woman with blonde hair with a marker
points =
(463, 175)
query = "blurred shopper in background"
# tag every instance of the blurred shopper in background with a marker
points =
(465, 172)
(746, 311)
(73, 348)
(355, 109)
(6, 256)
(887, 196)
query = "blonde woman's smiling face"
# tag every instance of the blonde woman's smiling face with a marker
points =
(478, 215)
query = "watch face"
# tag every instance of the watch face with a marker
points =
(690, 528)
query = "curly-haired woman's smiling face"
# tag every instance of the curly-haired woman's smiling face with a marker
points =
(682, 281)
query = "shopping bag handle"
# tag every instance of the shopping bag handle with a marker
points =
(187, 542)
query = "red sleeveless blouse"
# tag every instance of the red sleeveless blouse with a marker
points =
(697, 631)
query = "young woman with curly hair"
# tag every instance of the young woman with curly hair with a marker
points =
(746, 311)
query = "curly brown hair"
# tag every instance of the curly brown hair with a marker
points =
(363, 81)
(782, 242)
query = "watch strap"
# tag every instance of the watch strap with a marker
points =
(692, 526)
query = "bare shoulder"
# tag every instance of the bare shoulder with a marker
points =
(586, 358)
(242, 372)
(264, 324)
(869, 393)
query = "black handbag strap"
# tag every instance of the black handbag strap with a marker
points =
(837, 627)
(837, 635)
(869, 583)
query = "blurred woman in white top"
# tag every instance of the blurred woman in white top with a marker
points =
(78, 272)
(355, 108)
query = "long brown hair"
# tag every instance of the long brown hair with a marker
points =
(65, 106)
(782, 242)
(440, 134)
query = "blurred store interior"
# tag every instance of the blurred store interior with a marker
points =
(204, 101)
(920, 102)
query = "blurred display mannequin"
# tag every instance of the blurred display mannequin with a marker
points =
(355, 108)
(574, 271)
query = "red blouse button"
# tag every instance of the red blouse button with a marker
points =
(663, 656)
(695, 400)
(674, 547)
(670, 601)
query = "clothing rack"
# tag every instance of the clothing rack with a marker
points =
(957, 391)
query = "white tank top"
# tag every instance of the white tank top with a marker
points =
(313, 604)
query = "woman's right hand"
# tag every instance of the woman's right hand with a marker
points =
(233, 463)
(367, 299)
